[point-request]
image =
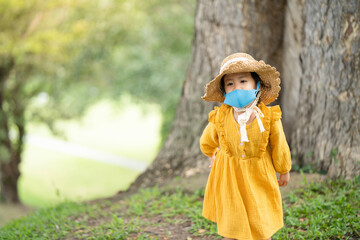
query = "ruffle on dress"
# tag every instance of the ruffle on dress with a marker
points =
(212, 115)
(271, 114)
(276, 113)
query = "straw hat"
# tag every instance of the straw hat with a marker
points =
(242, 62)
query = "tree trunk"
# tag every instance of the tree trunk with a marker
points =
(10, 172)
(221, 28)
(327, 130)
(291, 65)
(9, 177)
(9, 156)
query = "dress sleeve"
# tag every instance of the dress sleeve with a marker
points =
(209, 141)
(279, 147)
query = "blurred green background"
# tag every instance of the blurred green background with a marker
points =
(55, 169)
(90, 81)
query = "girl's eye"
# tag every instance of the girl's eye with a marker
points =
(243, 81)
(229, 84)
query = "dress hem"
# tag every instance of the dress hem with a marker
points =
(223, 234)
(210, 219)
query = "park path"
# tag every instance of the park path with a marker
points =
(77, 150)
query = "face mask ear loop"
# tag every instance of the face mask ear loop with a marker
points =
(257, 88)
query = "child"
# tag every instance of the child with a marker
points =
(242, 193)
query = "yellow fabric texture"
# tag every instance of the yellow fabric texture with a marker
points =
(242, 193)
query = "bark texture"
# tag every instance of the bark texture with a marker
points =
(291, 65)
(9, 156)
(221, 28)
(327, 130)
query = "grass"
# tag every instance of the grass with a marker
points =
(323, 210)
(48, 181)
(329, 210)
(49, 177)
(112, 220)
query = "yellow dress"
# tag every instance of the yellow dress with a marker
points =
(242, 193)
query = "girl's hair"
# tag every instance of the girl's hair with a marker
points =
(254, 75)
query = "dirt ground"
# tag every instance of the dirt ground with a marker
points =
(9, 212)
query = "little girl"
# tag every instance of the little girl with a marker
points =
(242, 193)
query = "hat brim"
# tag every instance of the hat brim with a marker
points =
(269, 86)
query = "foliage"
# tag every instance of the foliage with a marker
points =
(133, 48)
(324, 210)
(72, 54)
(69, 54)
(33, 50)
(140, 48)
(59, 57)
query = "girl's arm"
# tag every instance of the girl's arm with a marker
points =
(209, 141)
(280, 150)
(284, 179)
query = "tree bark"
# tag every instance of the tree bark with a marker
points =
(9, 177)
(221, 28)
(326, 134)
(9, 156)
(291, 65)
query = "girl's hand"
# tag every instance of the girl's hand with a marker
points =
(284, 179)
(212, 158)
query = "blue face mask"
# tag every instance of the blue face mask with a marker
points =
(241, 98)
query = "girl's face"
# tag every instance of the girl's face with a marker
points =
(235, 81)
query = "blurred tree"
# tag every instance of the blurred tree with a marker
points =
(143, 49)
(33, 51)
(58, 57)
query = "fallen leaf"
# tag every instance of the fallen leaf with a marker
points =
(201, 231)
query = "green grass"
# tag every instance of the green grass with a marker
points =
(174, 207)
(49, 177)
(329, 210)
(51, 223)
(326, 210)
(107, 220)
(45, 181)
